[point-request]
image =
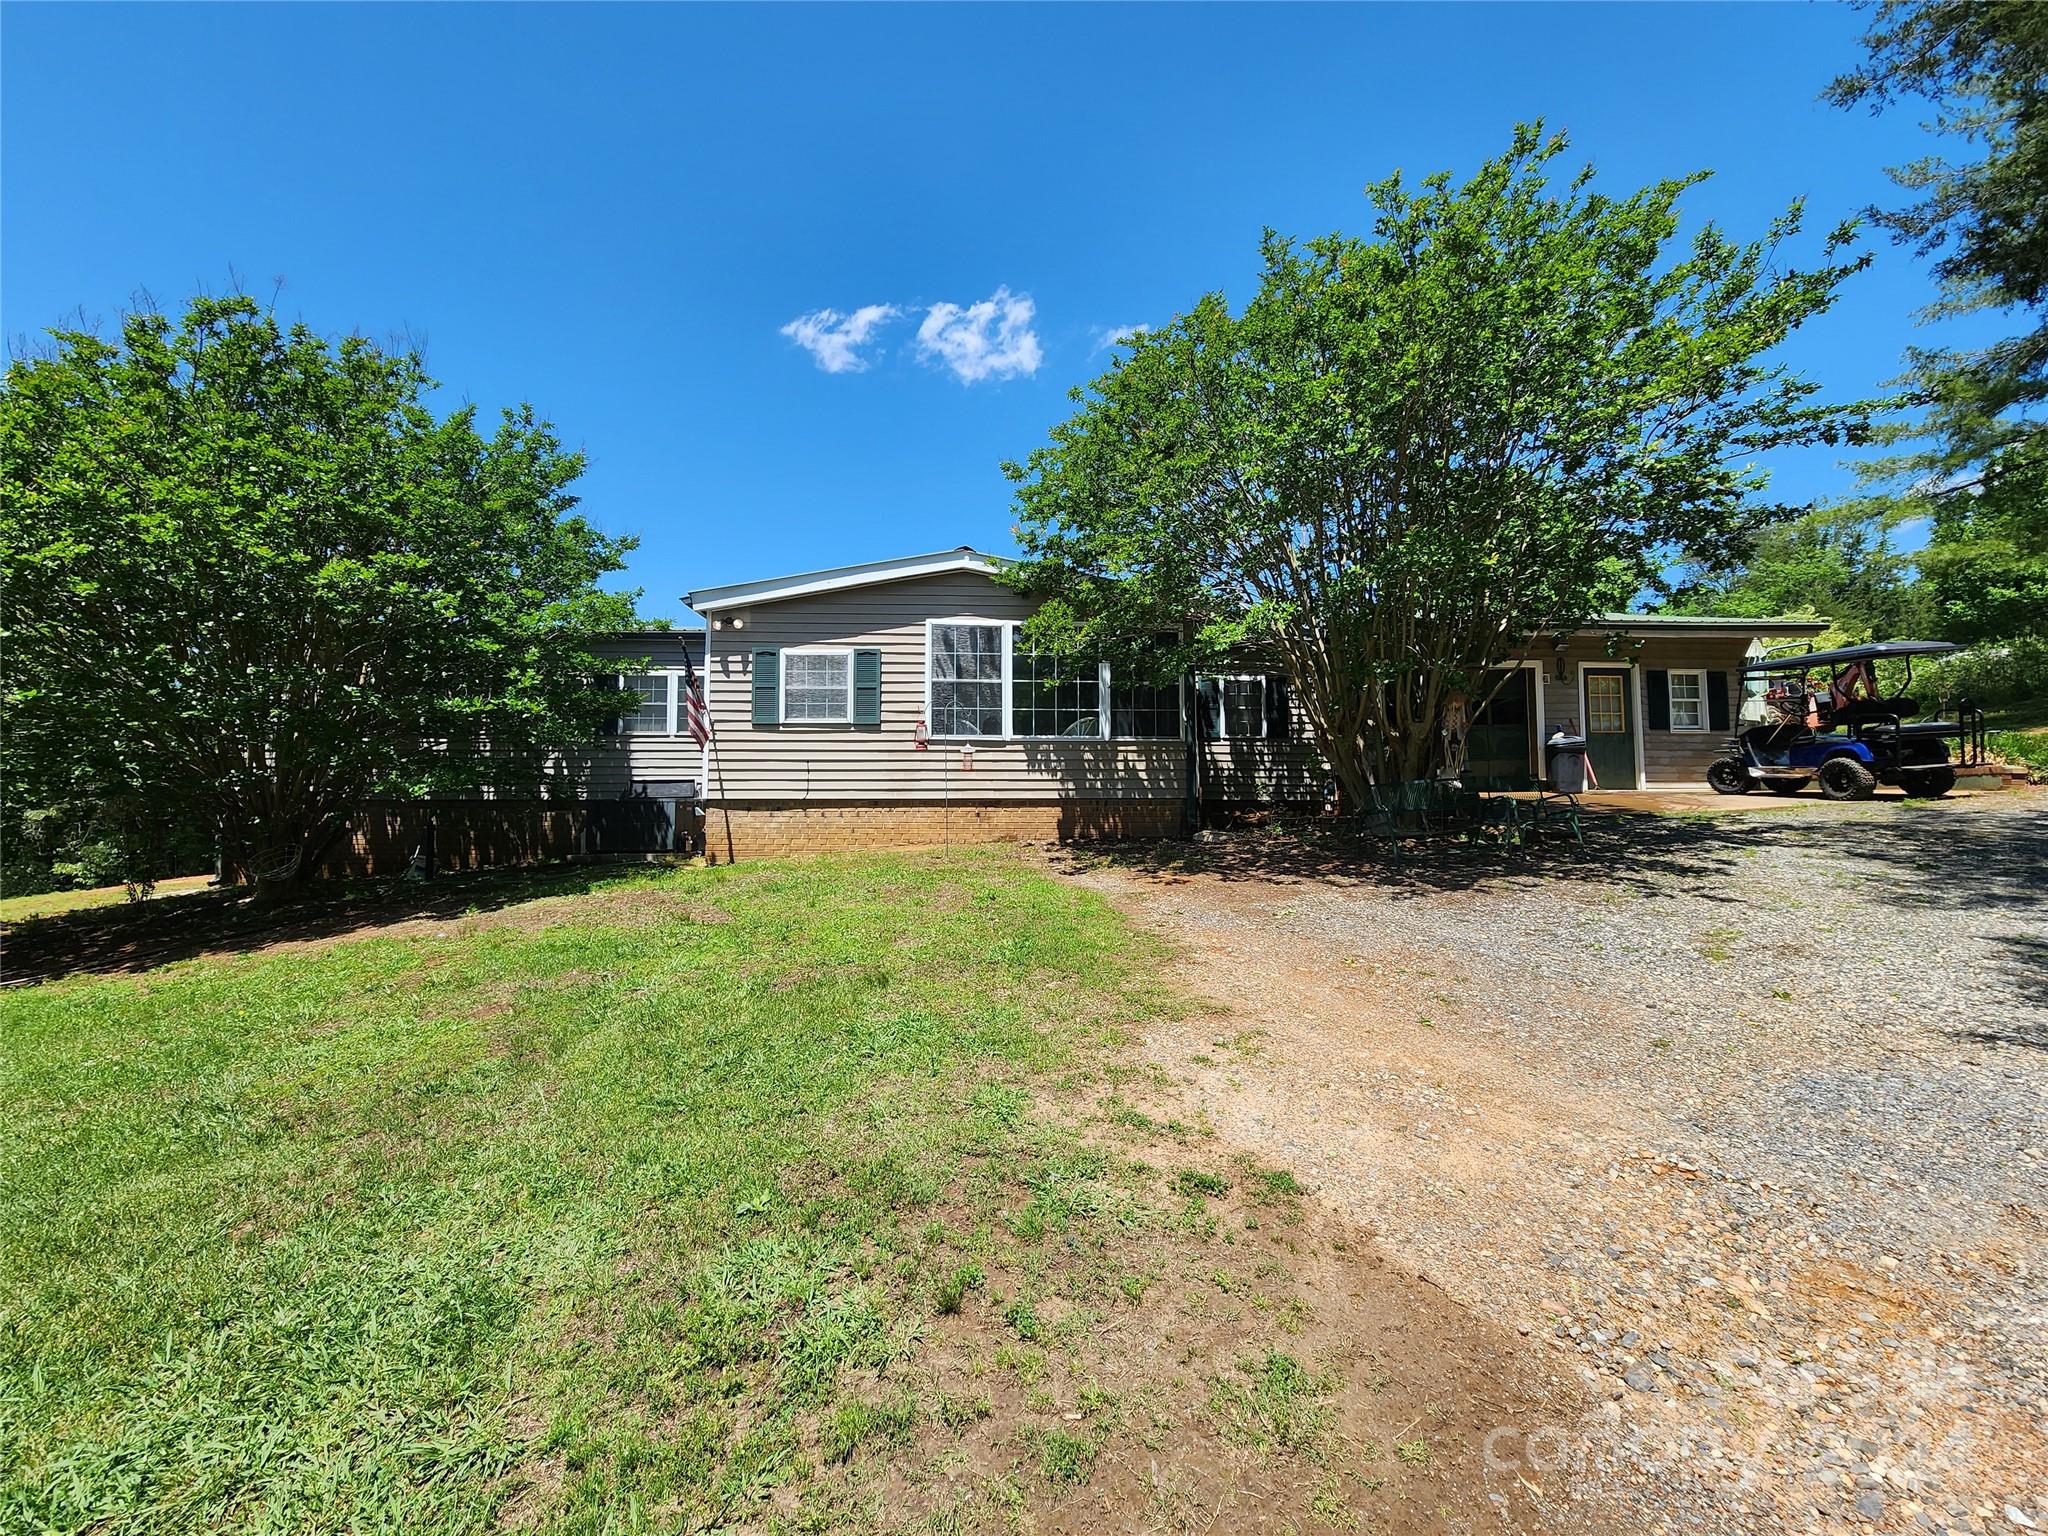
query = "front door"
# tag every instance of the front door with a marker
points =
(1611, 727)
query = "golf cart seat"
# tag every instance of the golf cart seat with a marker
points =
(1915, 728)
(1880, 710)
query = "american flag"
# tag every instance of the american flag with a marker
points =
(696, 718)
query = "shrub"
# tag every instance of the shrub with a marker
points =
(1990, 676)
(2028, 747)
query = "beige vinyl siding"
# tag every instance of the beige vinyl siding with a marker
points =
(606, 769)
(1263, 771)
(816, 762)
(852, 764)
(1669, 758)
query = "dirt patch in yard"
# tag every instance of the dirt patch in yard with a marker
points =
(1734, 1115)
(1215, 1353)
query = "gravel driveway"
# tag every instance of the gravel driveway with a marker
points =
(1744, 1117)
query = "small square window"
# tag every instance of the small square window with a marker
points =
(1231, 708)
(1244, 708)
(647, 698)
(817, 686)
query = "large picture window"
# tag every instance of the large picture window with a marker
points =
(1055, 696)
(817, 686)
(647, 705)
(967, 679)
(984, 684)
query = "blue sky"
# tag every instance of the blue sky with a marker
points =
(624, 214)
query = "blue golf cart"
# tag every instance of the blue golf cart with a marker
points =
(1825, 719)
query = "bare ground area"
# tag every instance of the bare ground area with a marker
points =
(1741, 1122)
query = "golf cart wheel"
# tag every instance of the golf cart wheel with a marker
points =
(1784, 786)
(1844, 778)
(1930, 784)
(1728, 777)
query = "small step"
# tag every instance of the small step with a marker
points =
(1992, 776)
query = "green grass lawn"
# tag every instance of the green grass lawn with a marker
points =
(810, 1196)
(340, 1239)
(19, 909)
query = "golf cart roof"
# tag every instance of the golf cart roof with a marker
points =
(1801, 661)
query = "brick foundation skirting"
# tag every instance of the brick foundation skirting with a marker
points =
(744, 831)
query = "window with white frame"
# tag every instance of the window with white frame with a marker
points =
(650, 704)
(1244, 708)
(1688, 701)
(984, 683)
(966, 678)
(817, 686)
(1232, 708)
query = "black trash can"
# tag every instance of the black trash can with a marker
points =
(1566, 756)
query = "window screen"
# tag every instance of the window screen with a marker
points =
(1688, 702)
(649, 716)
(814, 685)
(967, 680)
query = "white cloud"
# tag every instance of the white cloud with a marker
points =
(834, 340)
(1115, 334)
(989, 340)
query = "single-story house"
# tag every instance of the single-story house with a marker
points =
(890, 703)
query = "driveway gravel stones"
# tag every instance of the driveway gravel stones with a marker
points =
(1743, 1117)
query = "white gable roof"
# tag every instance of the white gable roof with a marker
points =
(840, 577)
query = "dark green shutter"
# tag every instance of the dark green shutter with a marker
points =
(767, 686)
(1660, 701)
(1208, 708)
(867, 687)
(1717, 700)
(1279, 718)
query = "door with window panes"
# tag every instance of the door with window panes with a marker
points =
(1611, 726)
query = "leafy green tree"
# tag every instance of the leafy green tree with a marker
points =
(1982, 463)
(1835, 563)
(249, 581)
(1407, 455)
(1986, 566)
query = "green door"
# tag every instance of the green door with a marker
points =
(1611, 727)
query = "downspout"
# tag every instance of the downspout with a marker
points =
(1190, 725)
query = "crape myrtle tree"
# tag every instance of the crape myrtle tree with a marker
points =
(249, 580)
(1409, 455)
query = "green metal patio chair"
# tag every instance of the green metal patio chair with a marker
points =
(1556, 811)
